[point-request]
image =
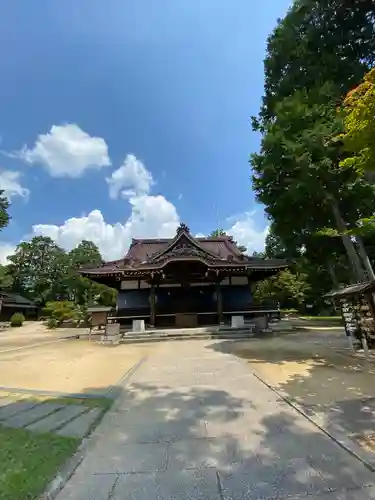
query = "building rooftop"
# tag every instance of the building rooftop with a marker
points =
(144, 254)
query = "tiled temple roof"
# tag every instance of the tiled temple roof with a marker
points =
(154, 253)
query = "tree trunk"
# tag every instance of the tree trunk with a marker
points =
(366, 260)
(332, 273)
(358, 272)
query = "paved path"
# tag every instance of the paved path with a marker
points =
(193, 423)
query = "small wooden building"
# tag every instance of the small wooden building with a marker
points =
(185, 281)
(11, 303)
(98, 316)
(358, 309)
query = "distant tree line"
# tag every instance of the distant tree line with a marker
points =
(43, 272)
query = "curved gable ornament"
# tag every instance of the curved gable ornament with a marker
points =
(183, 251)
(183, 228)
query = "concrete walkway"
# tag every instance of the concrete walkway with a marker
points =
(194, 423)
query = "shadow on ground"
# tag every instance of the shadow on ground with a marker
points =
(163, 442)
(318, 377)
(217, 433)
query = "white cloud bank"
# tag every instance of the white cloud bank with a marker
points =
(66, 151)
(245, 232)
(6, 249)
(152, 216)
(11, 185)
(131, 179)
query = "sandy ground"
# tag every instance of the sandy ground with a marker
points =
(69, 366)
(31, 332)
(310, 369)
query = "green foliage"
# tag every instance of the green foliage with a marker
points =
(315, 43)
(221, 232)
(6, 279)
(289, 311)
(64, 310)
(4, 206)
(44, 272)
(315, 55)
(17, 319)
(297, 172)
(52, 323)
(359, 122)
(287, 288)
(29, 461)
(217, 233)
(39, 268)
(83, 290)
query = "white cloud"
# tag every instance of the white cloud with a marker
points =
(151, 217)
(10, 183)
(66, 151)
(6, 249)
(129, 180)
(245, 232)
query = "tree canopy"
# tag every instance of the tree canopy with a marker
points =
(315, 43)
(44, 272)
(4, 206)
(359, 126)
(287, 288)
(315, 55)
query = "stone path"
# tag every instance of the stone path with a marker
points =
(194, 423)
(71, 420)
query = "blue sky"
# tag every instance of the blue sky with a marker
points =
(119, 119)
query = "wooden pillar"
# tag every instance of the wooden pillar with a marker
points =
(219, 302)
(152, 306)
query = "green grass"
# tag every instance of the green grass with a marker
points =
(335, 319)
(30, 461)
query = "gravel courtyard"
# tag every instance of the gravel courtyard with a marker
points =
(63, 366)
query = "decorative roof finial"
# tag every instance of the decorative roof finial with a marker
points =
(183, 228)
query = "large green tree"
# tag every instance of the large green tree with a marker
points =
(297, 174)
(318, 42)
(44, 272)
(320, 261)
(83, 290)
(39, 268)
(6, 279)
(314, 56)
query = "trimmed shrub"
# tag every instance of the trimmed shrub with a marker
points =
(52, 323)
(17, 319)
(62, 310)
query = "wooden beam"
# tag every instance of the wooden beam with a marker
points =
(219, 300)
(152, 305)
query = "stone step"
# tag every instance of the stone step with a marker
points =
(80, 426)
(11, 408)
(139, 338)
(189, 331)
(57, 419)
(29, 416)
